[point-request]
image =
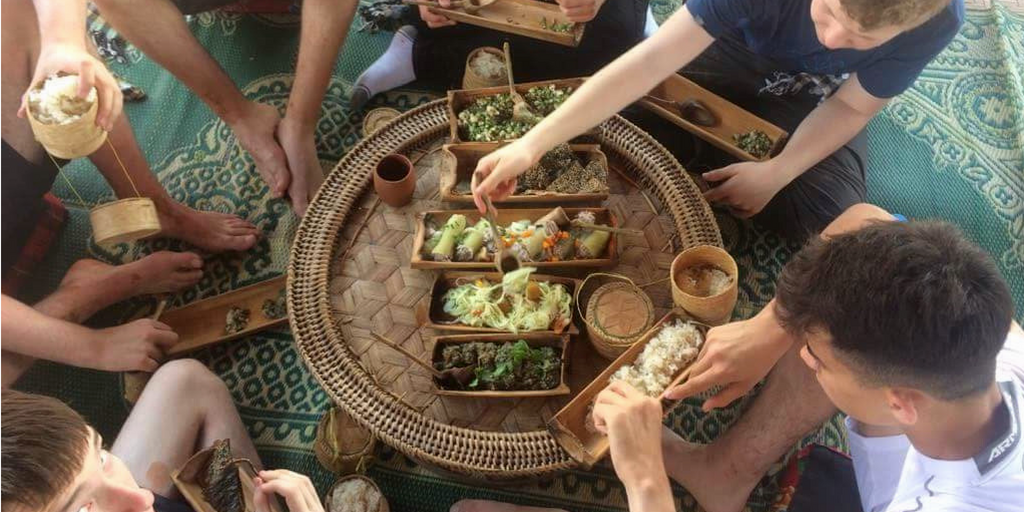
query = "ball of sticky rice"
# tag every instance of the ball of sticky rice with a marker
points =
(57, 100)
(354, 495)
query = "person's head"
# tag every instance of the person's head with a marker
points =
(896, 317)
(53, 461)
(866, 24)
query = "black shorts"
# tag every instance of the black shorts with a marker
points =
(198, 6)
(22, 189)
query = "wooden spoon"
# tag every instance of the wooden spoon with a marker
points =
(521, 109)
(692, 110)
(461, 376)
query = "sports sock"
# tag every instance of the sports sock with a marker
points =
(394, 68)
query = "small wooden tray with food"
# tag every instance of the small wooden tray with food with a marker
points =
(568, 173)
(659, 360)
(486, 115)
(519, 301)
(213, 480)
(521, 365)
(228, 316)
(715, 119)
(539, 237)
(529, 18)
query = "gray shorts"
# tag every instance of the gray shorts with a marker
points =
(198, 6)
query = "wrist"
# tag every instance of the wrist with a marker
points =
(531, 145)
(767, 323)
(85, 347)
(650, 492)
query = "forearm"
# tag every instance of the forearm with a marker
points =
(825, 130)
(28, 332)
(325, 24)
(650, 494)
(61, 22)
(622, 82)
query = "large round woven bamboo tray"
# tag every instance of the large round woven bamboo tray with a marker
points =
(338, 294)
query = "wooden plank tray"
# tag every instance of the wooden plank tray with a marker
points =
(460, 98)
(504, 217)
(569, 424)
(733, 119)
(438, 319)
(202, 323)
(187, 479)
(460, 163)
(521, 17)
(559, 342)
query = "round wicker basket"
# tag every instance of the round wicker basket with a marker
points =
(342, 445)
(618, 314)
(329, 346)
(378, 117)
(330, 506)
(715, 309)
(473, 80)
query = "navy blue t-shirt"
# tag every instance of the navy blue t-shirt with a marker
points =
(782, 30)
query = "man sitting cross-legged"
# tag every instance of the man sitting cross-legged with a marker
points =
(906, 327)
(53, 460)
(284, 150)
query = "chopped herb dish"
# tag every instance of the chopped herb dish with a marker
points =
(505, 366)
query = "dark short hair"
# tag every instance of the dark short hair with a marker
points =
(43, 448)
(911, 304)
(872, 14)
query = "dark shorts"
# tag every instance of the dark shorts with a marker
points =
(198, 6)
(809, 203)
(23, 185)
(439, 55)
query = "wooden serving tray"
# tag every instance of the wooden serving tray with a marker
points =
(460, 163)
(459, 99)
(521, 17)
(733, 119)
(507, 216)
(560, 342)
(187, 478)
(437, 318)
(202, 323)
(569, 425)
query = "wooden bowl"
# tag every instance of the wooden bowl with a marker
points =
(715, 309)
(125, 220)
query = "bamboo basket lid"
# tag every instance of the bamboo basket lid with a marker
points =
(125, 220)
(618, 313)
(377, 118)
(333, 301)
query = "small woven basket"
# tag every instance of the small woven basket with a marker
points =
(342, 446)
(330, 506)
(713, 310)
(124, 220)
(473, 80)
(618, 314)
(76, 139)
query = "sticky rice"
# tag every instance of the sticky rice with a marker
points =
(675, 346)
(57, 101)
(488, 65)
(354, 495)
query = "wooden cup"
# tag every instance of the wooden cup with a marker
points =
(714, 309)
(76, 139)
(394, 179)
(125, 220)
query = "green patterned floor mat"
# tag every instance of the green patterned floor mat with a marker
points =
(950, 147)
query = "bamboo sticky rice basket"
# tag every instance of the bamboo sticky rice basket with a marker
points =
(715, 309)
(75, 139)
(471, 79)
(342, 445)
(124, 220)
(330, 506)
(618, 313)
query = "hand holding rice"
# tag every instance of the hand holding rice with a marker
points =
(674, 348)
(56, 101)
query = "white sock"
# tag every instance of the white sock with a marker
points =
(651, 25)
(394, 68)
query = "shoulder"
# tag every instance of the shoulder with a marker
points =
(942, 27)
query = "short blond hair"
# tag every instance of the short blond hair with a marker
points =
(872, 14)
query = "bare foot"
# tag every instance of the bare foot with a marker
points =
(716, 486)
(211, 231)
(307, 175)
(254, 130)
(495, 506)
(92, 285)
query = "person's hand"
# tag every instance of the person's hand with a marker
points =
(745, 187)
(580, 11)
(74, 59)
(135, 346)
(297, 491)
(499, 171)
(632, 422)
(736, 356)
(435, 20)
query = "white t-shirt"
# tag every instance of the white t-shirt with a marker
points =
(894, 477)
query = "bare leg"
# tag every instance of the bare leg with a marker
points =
(184, 409)
(20, 39)
(158, 28)
(324, 27)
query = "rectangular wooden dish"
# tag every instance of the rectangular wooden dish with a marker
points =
(460, 163)
(202, 323)
(558, 341)
(187, 479)
(521, 17)
(569, 424)
(733, 120)
(505, 217)
(460, 98)
(436, 317)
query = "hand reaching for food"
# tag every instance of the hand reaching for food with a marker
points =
(580, 11)
(76, 60)
(297, 491)
(434, 20)
(496, 173)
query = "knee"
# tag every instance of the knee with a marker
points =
(856, 217)
(188, 378)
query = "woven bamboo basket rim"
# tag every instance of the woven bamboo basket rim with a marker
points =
(321, 341)
(603, 340)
